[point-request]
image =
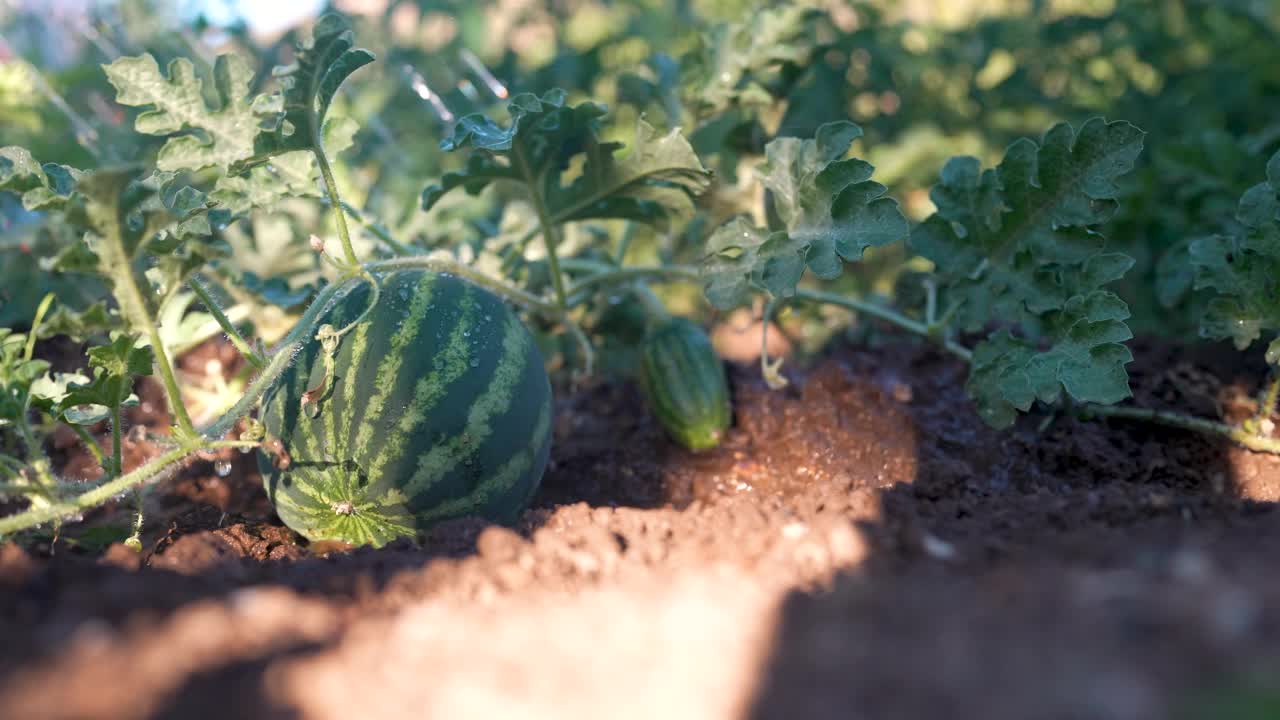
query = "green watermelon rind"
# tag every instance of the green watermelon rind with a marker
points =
(440, 407)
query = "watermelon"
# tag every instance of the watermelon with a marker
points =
(685, 383)
(437, 405)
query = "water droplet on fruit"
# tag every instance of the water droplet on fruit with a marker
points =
(222, 468)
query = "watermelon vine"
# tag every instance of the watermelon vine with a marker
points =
(408, 376)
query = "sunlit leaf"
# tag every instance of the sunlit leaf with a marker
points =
(114, 367)
(320, 67)
(176, 104)
(653, 183)
(727, 68)
(829, 212)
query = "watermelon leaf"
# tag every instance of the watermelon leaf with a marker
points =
(1244, 268)
(653, 183)
(1086, 360)
(829, 211)
(114, 367)
(42, 187)
(730, 66)
(177, 104)
(323, 63)
(1019, 243)
(17, 374)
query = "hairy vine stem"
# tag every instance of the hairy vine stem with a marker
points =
(154, 469)
(227, 326)
(598, 274)
(1245, 437)
(551, 239)
(1238, 435)
(331, 189)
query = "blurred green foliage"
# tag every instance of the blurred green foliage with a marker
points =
(942, 79)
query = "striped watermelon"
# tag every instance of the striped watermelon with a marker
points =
(439, 407)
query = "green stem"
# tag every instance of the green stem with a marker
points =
(91, 444)
(154, 469)
(24, 489)
(606, 274)
(1176, 420)
(335, 201)
(377, 231)
(171, 390)
(551, 239)
(134, 307)
(227, 326)
(770, 370)
(886, 314)
(624, 245)
(653, 306)
(117, 452)
(931, 302)
(550, 231)
(1267, 401)
(30, 350)
(28, 437)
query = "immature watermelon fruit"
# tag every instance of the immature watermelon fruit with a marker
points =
(684, 380)
(439, 406)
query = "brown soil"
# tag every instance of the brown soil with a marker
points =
(861, 547)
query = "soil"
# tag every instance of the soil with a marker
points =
(861, 546)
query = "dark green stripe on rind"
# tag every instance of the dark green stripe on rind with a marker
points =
(441, 408)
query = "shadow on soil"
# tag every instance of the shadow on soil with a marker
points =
(1083, 570)
(1077, 570)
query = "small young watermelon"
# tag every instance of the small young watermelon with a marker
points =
(685, 383)
(438, 406)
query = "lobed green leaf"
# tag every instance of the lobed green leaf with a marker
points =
(1244, 268)
(177, 105)
(1019, 244)
(322, 64)
(653, 183)
(829, 212)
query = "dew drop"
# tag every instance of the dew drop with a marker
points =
(222, 468)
